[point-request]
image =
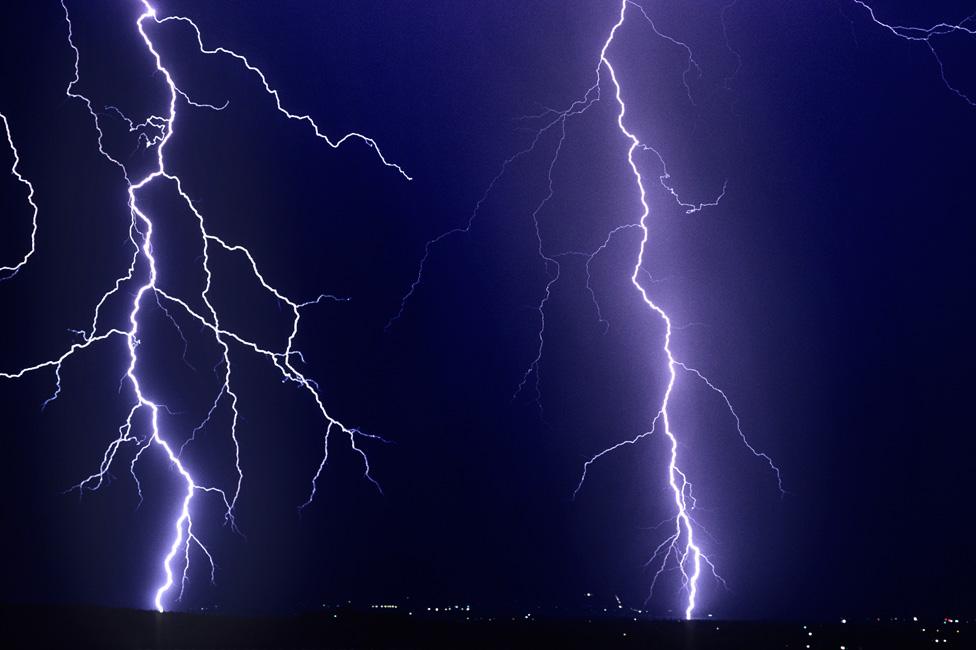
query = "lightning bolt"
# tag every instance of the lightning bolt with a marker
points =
(154, 133)
(681, 548)
(926, 35)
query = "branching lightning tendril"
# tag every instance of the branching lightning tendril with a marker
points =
(926, 35)
(154, 133)
(7, 272)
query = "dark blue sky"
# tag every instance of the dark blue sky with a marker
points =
(828, 294)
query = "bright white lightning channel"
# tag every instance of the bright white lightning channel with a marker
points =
(681, 548)
(155, 133)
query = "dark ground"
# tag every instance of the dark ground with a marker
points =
(68, 627)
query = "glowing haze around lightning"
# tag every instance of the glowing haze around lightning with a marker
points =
(155, 133)
(681, 548)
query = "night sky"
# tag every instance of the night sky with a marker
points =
(828, 294)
